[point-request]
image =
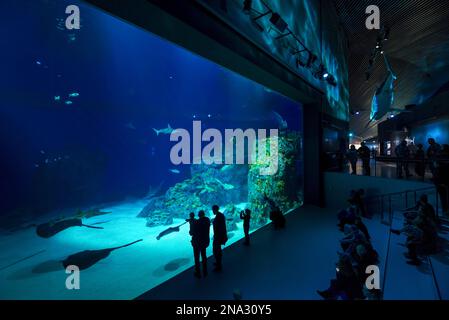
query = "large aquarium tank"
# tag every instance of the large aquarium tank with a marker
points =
(86, 120)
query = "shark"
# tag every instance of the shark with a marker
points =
(49, 229)
(169, 230)
(167, 130)
(282, 124)
(383, 98)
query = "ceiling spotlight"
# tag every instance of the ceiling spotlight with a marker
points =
(279, 23)
(325, 75)
(357, 113)
(247, 6)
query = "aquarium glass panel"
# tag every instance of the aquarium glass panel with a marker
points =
(87, 119)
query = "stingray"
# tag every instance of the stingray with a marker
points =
(49, 229)
(170, 230)
(87, 258)
(23, 259)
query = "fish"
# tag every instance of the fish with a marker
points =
(23, 259)
(383, 98)
(167, 130)
(68, 102)
(169, 230)
(225, 186)
(57, 98)
(153, 192)
(74, 94)
(49, 229)
(90, 213)
(87, 258)
(226, 167)
(130, 125)
(176, 171)
(282, 124)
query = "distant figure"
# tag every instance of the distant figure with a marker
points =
(200, 242)
(356, 199)
(442, 178)
(191, 222)
(403, 154)
(220, 236)
(351, 155)
(246, 217)
(420, 165)
(364, 154)
(276, 215)
(412, 148)
(433, 152)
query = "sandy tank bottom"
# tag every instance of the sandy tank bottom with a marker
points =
(125, 274)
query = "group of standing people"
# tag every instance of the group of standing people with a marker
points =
(364, 153)
(200, 232)
(437, 159)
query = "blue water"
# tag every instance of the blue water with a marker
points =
(78, 108)
(129, 81)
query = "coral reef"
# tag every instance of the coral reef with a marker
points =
(231, 185)
(281, 187)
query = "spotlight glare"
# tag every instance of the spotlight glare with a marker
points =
(325, 75)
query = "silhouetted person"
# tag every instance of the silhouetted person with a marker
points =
(220, 236)
(433, 152)
(246, 217)
(420, 156)
(191, 222)
(364, 154)
(276, 215)
(403, 154)
(442, 178)
(356, 199)
(351, 155)
(200, 242)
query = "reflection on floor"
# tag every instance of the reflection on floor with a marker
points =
(285, 264)
(388, 170)
(293, 263)
(31, 267)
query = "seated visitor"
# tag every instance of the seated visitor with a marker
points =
(276, 215)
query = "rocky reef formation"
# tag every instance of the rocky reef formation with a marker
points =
(284, 187)
(209, 185)
(230, 186)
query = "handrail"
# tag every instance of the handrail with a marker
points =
(429, 261)
(401, 192)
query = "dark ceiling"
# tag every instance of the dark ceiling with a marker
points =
(418, 51)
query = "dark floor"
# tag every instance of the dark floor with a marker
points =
(293, 263)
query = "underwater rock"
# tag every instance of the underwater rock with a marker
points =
(281, 187)
(208, 185)
(227, 185)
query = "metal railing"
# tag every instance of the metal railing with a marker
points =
(426, 164)
(389, 222)
(386, 202)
